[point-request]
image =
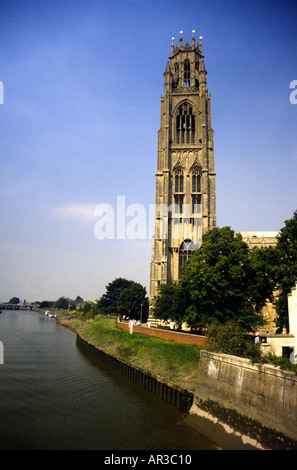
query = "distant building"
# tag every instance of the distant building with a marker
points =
(76, 304)
(259, 239)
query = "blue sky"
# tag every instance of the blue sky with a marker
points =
(82, 84)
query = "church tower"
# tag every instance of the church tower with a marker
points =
(185, 178)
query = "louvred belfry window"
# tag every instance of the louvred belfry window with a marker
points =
(187, 73)
(185, 125)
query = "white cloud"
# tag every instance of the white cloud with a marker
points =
(77, 212)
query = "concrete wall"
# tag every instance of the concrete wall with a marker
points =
(177, 336)
(256, 404)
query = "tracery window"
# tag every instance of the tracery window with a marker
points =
(196, 180)
(178, 189)
(185, 125)
(179, 181)
(186, 250)
(196, 204)
(178, 203)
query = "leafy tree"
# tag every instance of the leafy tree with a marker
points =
(62, 303)
(71, 306)
(108, 300)
(230, 338)
(264, 263)
(14, 301)
(222, 281)
(124, 297)
(286, 270)
(132, 300)
(169, 304)
(46, 304)
(90, 310)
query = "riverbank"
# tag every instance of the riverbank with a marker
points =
(173, 371)
(175, 363)
(63, 398)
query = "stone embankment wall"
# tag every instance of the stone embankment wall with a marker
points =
(177, 336)
(254, 405)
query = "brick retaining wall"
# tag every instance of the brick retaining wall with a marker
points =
(177, 336)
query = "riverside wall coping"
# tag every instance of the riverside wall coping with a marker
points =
(186, 338)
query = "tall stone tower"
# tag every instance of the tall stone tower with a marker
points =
(185, 178)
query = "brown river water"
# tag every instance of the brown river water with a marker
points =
(53, 396)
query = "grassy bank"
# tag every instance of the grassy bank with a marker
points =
(175, 362)
(172, 361)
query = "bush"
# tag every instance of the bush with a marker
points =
(90, 310)
(230, 338)
(283, 363)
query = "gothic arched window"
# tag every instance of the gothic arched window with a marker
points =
(196, 189)
(186, 250)
(179, 181)
(178, 189)
(196, 180)
(185, 125)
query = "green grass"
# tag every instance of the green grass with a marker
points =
(172, 361)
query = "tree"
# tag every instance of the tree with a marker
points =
(169, 304)
(62, 303)
(108, 300)
(223, 281)
(90, 310)
(264, 262)
(286, 270)
(46, 304)
(124, 297)
(230, 338)
(132, 301)
(14, 301)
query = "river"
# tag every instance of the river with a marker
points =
(54, 396)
